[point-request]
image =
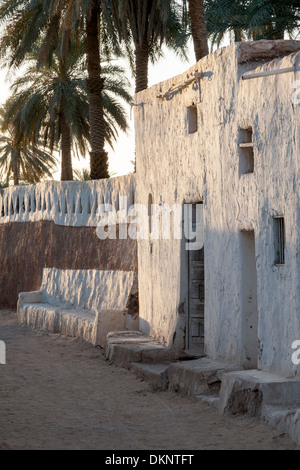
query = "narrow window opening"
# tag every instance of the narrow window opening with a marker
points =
(279, 240)
(39, 204)
(11, 207)
(89, 207)
(34, 202)
(192, 117)
(246, 151)
(80, 209)
(66, 205)
(95, 206)
(49, 202)
(17, 205)
(117, 203)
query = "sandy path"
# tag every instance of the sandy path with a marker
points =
(59, 393)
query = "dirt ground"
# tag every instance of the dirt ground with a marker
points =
(59, 393)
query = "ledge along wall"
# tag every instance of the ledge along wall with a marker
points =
(54, 224)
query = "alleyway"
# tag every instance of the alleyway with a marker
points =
(60, 393)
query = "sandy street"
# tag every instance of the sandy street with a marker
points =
(60, 393)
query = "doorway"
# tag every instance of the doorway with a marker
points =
(249, 300)
(196, 303)
(196, 284)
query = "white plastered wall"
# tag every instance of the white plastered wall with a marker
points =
(175, 167)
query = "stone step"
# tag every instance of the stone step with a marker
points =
(54, 319)
(154, 374)
(124, 348)
(284, 418)
(197, 377)
(247, 391)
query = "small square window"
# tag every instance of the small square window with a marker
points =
(246, 153)
(192, 118)
(279, 240)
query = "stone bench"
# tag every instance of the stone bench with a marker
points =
(80, 303)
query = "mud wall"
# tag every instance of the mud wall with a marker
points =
(26, 248)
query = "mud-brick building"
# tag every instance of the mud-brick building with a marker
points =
(226, 134)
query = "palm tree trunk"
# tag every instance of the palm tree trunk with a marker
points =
(66, 157)
(141, 65)
(98, 156)
(16, 170)
(16, 178)
(198, 26)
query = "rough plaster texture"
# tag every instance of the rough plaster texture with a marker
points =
(26, 248)
(249, 391)
(155, 374)
(54, 319)
(80, 303)
(198, 377)
(126, 347)
(284, 418)
(87, 289)
(175, 166)
(273, 399)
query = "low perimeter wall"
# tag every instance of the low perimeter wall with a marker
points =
(54, 225)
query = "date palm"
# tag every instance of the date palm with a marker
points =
(21, 160)
(52, 104)
(225, 16)
(254, 19)
(272, 19)
(74, 21)
(148, 24)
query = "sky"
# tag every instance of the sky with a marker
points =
(120, 158)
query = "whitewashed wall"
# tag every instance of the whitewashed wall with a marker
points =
(66, 203)
(175, 166)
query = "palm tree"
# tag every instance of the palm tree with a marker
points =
(272, 19)
(149, 24)
(27, 20)
(225, 16)
(198, 28)
(254, 19)
(52, 103)
(23, 161)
